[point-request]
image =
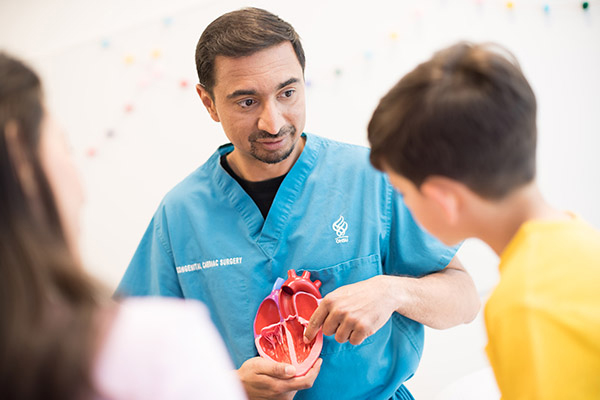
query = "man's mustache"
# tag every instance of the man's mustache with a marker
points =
(285, 130)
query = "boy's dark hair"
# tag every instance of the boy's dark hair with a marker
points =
(468, 114)
(241, 33)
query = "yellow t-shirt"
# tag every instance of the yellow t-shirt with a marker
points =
(543, 319)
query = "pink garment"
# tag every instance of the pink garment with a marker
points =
(161, 348)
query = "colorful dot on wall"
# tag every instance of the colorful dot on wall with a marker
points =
(110, 133)
(394, 35)
(156, 53)
(105, 43)
(143, 83)
(168, 21)
(129, 59)
(128, 108)
(585, 5)
(510, 5)
(158, 73)
(183, 84)
(547, 8)
(338, 72)
(91, 152)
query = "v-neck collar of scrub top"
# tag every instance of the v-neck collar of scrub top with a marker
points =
(267, 231)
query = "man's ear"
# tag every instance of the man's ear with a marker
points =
(208, 102)
(446, 194)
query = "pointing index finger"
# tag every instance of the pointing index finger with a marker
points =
(315, 323)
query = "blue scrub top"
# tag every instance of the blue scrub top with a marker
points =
(334, 215)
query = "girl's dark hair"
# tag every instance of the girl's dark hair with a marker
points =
(468, 114)
(48, 305)
(242, 33)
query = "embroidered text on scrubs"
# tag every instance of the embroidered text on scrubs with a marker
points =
(209, 264)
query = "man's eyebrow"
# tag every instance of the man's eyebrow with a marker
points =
(242, 92)
(251, 92)
(286, 83)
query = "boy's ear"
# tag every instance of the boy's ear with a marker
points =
(208, 102)
(446, 194)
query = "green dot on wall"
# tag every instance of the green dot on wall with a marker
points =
(585, 5)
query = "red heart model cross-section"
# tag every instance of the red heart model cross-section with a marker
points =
(281, 319)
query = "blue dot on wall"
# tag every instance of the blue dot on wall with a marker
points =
(105, 43)
(547, 8)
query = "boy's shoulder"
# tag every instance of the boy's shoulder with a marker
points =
(558, 255)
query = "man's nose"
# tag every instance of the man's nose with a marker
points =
(271, 119)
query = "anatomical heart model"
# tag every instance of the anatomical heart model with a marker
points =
(281, 319)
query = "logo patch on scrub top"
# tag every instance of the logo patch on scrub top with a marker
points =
(339, 227)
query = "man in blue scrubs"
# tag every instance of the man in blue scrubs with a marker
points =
(275, 199)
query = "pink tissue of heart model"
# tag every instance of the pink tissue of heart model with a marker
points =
(281, 319)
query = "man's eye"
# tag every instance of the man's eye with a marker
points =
(288, 93)
(246, 103)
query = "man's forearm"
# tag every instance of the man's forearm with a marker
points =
(440, 300)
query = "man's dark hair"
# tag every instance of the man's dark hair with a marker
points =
(468, 114)
(241, 33)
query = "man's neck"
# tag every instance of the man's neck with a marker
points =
(253, 170)
(502, 219)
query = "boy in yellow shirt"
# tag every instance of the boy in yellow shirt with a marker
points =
(457, 137)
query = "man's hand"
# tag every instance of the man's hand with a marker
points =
(439, 300)
(353, 312)
(266, 379)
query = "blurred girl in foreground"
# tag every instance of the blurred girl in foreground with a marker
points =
(61, 336)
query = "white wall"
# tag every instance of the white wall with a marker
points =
(98, 57)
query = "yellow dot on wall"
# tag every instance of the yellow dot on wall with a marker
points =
(394, 35)
(156, 53)
(509, 5)
(129, 59)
